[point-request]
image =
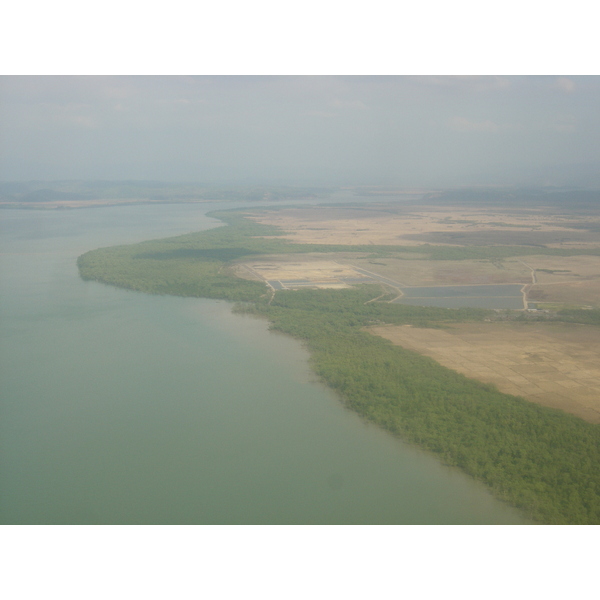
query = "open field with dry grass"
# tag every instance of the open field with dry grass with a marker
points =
(553, 364)
(418, 272)
(571, 280)
(583, 293)
(414, 225)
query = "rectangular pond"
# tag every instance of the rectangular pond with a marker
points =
(506, 296)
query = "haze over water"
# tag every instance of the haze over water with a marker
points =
(120, 407)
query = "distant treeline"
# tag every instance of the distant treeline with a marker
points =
(52, 191)
(542, 460)
(566, 199)
(580, 315)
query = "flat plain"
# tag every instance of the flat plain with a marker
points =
(569, 280)
(298, 271)
(412, 225)
(553, 364)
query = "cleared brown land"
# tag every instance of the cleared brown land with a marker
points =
(408, 226)
(553, 364)
(565, 279)
(586, 293)
(320, 273)
(552, 279)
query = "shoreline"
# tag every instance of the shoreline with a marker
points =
(414, 397)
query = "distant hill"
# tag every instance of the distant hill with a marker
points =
(45, 191)
(566, 198)
(49, 195)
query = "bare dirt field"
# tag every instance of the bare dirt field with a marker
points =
(553, 364)
(410, 226)
(299, 271)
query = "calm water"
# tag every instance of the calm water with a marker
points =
(474, 291)
(118, 407)
(465, 296)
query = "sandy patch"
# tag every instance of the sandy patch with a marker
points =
(310, 269)
(297, 274)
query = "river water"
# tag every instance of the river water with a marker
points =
(118, 407)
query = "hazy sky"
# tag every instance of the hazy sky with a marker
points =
(400, 130)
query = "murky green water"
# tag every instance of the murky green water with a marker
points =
(489, 302)
(118, 407)
(465, 296)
